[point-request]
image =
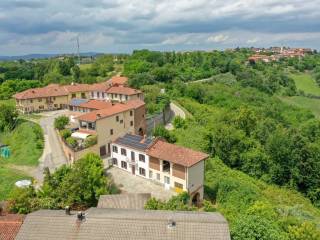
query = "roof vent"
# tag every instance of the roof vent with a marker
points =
(98, 115)
(68, 210)
(80, 216)
(171, 224)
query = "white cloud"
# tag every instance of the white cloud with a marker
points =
(217, 38)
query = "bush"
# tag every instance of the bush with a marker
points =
(21, 200)
(61, 122)
(305, 231)
(72, 142)
(65, 133)
(90, 141)
(160, 131)
(179, 122)
(208, 206)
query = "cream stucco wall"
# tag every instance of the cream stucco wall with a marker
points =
(195, 178)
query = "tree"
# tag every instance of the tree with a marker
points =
(161, 131)
(75, 71)
(8, 117)
(61, 122)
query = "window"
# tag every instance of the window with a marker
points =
(166, 180)
(73, 95)
(142, 158)
(115, 95)
(55, 105)
(121, 121)
(126, 98)
(103, 95)
(123, 152)
(83, 95)
(150, 174)
(40, 100)
(123, 164)
(98, 94)
(31, 101)
(54, 98)
(92, 94)
(142, 171)
(158, 176)
(131, 123)
(115, 161)
(165, 166)
(111, 131)
(115, 149)
(117, 118)
(131, 113)
(132, 156)
(120, 96)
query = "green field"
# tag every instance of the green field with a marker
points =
(26, 144)
(304, 102)
(8, 102)
(85, 66)
(306, 83)
(7, 178)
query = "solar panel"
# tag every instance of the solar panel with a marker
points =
(134, 141)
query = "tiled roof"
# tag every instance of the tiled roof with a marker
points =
(102, 87)
(124, 224)
(48, 91)
(113, 109)
(10, 225)
(77, 88)
(123, 90)
(124, 201)
(174, 153)
(135, 141)
(96, 104)
(117, 80)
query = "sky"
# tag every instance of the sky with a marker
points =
(120, 26)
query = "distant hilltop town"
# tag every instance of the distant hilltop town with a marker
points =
(277, 53)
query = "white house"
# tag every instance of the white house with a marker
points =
(175, 167)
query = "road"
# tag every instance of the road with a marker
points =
(175, 111)
(52, 156)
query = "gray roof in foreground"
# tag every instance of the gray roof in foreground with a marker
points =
(124, 201)
(102, 223)
(134, 141)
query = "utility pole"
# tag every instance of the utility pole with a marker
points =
(78, 45)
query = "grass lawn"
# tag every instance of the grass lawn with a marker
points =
(304, 102)
(7, 178)
(8, 102)
(25, 142)
(85, 66)
(306, 83)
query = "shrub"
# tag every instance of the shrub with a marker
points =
(90, 141)
(161, 131)
(61, 122)
(179, 122)
(21, 200)
(305, 231)
(72, 142)
(65, 133)
(208, 206)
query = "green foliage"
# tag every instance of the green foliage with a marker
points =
(72, 142)
(90, 141)
(78, 186)
(179, 202)
(26, 143)
(61, 122)
(179, 122)
(65, 133)
(304, 231)
(8, 117)
(208, 206)
(161, 131)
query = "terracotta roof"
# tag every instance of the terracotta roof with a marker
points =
(77, 88)
(96, 104)
(99, 87)
(52, 90)
(123, 90)
(98, 114)
(113, 109)
(174, 153)
(117, 80)
(10, 225)
(123, 224)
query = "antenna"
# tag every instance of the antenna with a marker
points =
(78, 45)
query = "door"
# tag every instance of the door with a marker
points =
(109, 148)
(103, 151)
(133, 170)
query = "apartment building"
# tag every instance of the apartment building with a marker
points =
(175, 167)
(113, 122)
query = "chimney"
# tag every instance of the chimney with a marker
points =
(68, 210)
(143, 139)
(80, 216)
(98, 115)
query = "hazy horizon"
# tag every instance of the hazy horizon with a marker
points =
(52, 26)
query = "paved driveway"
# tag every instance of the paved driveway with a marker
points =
(135, 184)
(53, 155)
